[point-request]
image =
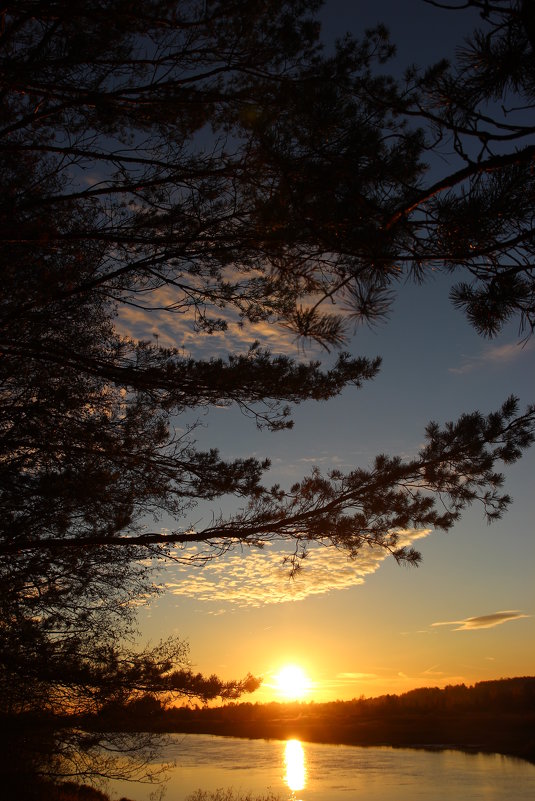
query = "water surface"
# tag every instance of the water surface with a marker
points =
(299, 771)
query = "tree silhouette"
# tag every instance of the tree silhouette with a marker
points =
(217, 151)
(480, 216)
(213, 161)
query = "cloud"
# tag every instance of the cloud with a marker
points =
(356, 676)
(176, 329)
(497, 356)
(257, 578)
(483, 621)
(432, 671)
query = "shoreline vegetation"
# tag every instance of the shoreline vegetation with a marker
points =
(70, 791)
(490, 717)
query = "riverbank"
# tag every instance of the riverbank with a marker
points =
(508, 737)
(490, 717)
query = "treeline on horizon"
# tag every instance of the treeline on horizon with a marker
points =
(496, 716)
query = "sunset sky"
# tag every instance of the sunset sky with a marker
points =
(370, 626)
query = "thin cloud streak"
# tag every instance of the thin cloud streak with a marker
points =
(497, 356)
(483, 621)
(261, 578)
(388, 680)
(356, 676)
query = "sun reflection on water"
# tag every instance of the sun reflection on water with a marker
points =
(294, 762)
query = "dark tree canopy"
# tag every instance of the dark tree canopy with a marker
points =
(212, 160)
(216, 149)
(481, 215)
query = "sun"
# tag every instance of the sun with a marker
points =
(292, 682)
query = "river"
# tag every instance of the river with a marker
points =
(298, 771)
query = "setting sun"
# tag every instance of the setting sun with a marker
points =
(292, 682)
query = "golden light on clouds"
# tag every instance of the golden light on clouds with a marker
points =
(483, 621)
(260, 577)
(167, 329)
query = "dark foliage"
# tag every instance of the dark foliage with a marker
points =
(213, 161)
(488, 716)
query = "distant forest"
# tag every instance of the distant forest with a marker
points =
(491, 716)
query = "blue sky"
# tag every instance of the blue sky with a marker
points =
(371, 627)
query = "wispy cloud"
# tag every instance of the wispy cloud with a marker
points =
(498, 355)
(177, 329)
(483, 621)
(260, 577)
(432, 671)
(388, 680)
(356, 676)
